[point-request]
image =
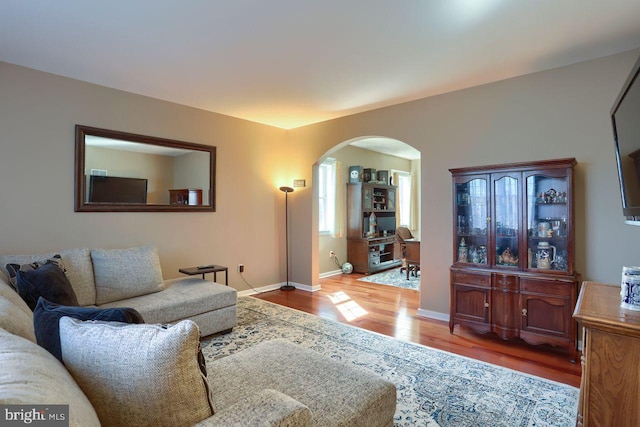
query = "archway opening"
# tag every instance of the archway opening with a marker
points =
(397, 168)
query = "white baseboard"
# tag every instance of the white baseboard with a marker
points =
(307, 288)
(258, 290)
(330, 273)
(277, 286)
(433, 315)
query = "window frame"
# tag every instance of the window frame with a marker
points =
(327, 196)
(405, 209)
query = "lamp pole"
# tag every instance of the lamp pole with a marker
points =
(286, 191)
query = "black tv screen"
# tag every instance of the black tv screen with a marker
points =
(114, 189)
(386, 224)
(625, 118)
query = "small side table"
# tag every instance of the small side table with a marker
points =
(192, 271)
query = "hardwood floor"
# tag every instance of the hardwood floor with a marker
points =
(392, 311)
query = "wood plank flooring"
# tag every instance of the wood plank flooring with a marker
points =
(392, 311)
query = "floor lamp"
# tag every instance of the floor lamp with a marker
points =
(286, 191)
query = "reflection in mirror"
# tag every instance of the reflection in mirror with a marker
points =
(117, 171)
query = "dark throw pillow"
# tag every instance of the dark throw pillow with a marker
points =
(46, 317)
(12, 269)
(47, 281)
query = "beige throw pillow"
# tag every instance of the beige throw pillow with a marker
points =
(125, 273)
(138, 375)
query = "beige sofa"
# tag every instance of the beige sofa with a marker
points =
(132, 277)
(116, 374)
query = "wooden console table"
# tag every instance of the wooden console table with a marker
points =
(610, 386)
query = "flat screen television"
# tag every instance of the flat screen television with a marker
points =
(115, 189)
(625, 119)
(387, 223)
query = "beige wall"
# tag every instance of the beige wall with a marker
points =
(38, 112)
(192, 171)
(552, 114)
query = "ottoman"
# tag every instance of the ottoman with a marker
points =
(336, 393)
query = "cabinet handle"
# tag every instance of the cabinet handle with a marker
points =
(486, 304)
(524, 311)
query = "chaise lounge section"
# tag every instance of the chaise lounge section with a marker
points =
(337, 394)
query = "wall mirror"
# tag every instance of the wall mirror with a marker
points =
(123, 172)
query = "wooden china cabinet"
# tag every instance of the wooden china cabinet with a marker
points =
(513, 253)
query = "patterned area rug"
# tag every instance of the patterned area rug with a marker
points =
(395, 278)
(434, 388)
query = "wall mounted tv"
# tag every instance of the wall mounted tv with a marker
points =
(625, 118)
(115, 189)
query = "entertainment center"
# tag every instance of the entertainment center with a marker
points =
(371, 224)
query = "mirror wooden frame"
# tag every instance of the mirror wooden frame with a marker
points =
(80, 185)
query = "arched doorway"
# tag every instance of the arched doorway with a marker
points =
(395, 158)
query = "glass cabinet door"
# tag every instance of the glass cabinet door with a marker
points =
(547, 213)
(506, 220)
(367, 197)
(392, 199)
(471, 216)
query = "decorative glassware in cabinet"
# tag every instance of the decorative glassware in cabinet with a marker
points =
(379, 199)
(471, 227)
(547, 223)
(367, 196)
(506, 221)
(392, 199)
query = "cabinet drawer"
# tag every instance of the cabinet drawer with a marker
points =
(503, 281)
(471, 278)
(374, 258)
(547, 287)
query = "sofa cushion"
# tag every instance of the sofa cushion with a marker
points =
(77, 266)
(46, 317)
(267, 408)
(11, 294)
(32, 376)
(142, 375)
(47, 281)
(181, 298)
(125, 273)
(16, 321)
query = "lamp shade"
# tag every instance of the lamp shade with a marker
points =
(286, 189)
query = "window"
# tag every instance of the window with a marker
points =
(327, 196)
(404, 198)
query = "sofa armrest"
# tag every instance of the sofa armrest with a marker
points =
(266, 408)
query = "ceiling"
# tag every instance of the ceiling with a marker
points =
(289, 63)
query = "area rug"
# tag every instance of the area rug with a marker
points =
(395, 278)
(434, 388)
